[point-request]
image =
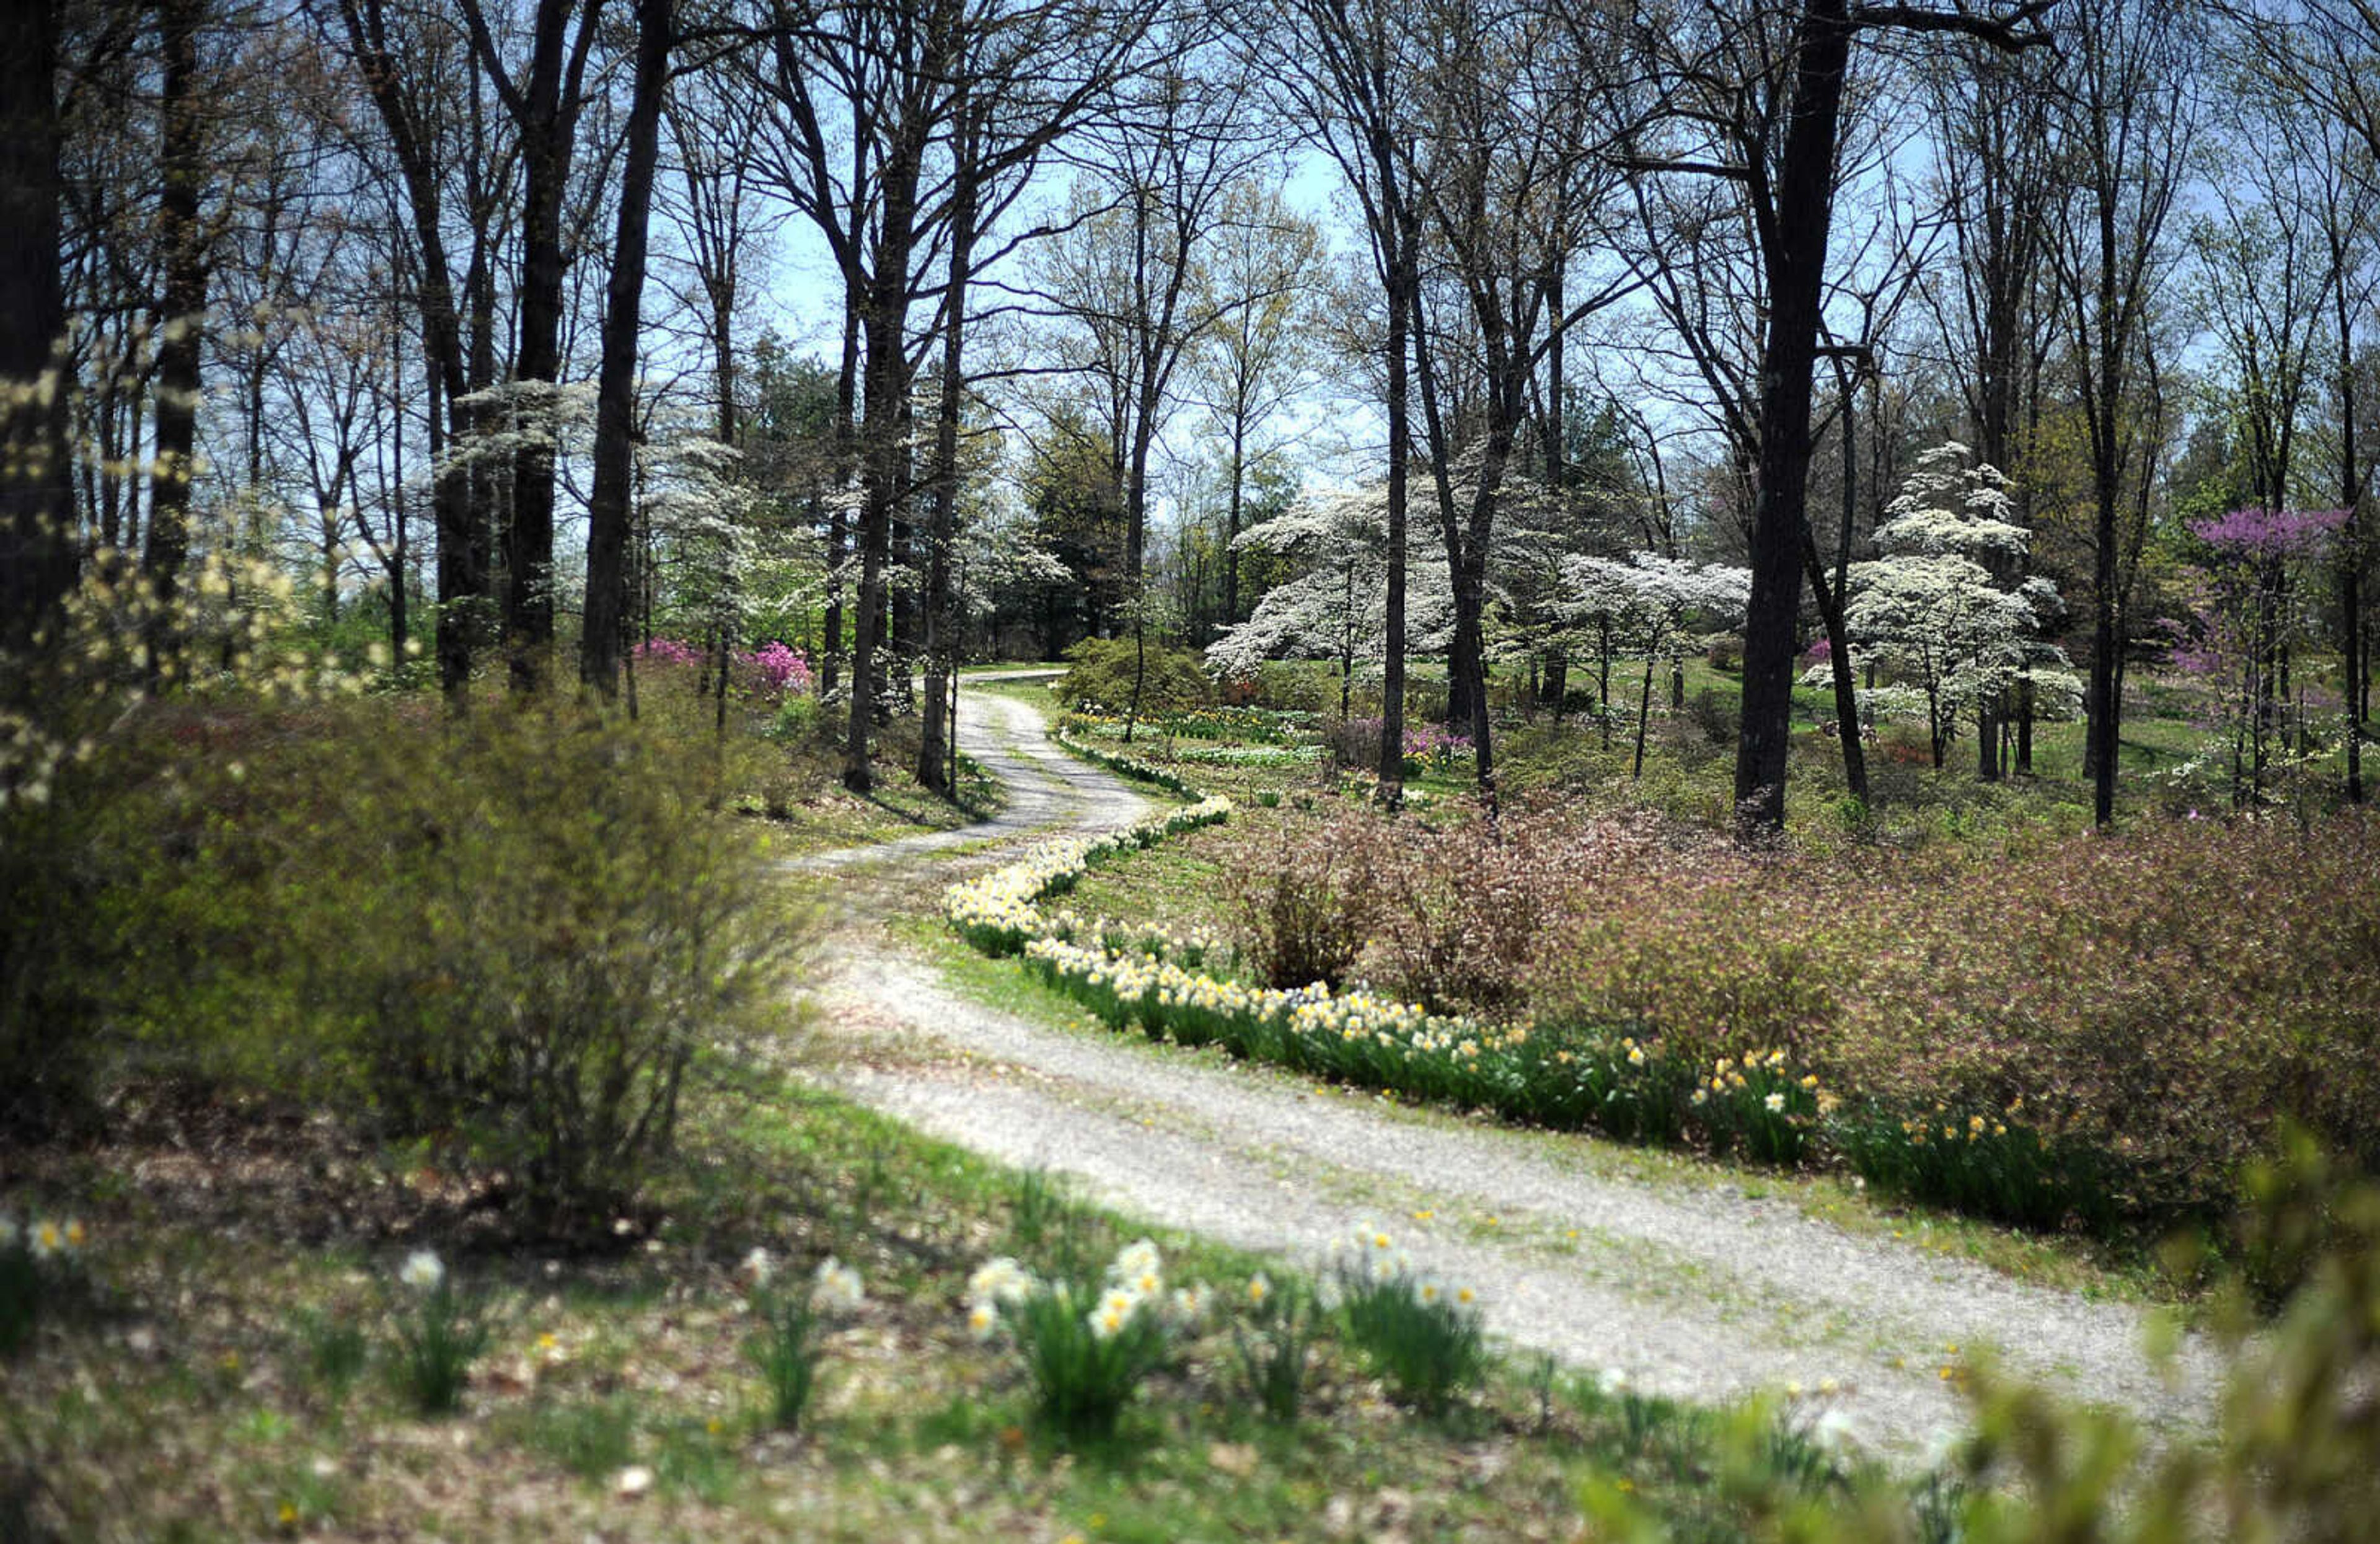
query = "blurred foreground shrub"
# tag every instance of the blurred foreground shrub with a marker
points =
(505, 935)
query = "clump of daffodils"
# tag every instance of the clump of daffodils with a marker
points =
(439, 1334)
(1423, 1335)
(1086, 1347)
(785, 1348)
(40, 1247)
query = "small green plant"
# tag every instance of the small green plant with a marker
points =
(1272, 1355)
(591, 1440)
(335, 1348)
(1425, 1337)
(1086, 1350)
(439, 1336)
(785, 1348)
(1053, 1228)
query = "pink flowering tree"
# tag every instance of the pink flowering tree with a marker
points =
(2245, 619)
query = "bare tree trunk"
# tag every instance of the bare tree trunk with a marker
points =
(936, 760)
(2350, 555)
(181, 318)
(39, 562)
(1796, 262)
(604, 631)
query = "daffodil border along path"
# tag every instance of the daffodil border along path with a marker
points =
(1677, 1279)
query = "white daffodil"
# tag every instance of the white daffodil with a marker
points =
(421, 1271)
(836, 1285)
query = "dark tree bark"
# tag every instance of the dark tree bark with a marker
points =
(544, 106)
(936, 757)
(1794, 219)
(461, 498)
(39, 554)
(2128, 131)
(605, 633)
(181, 317)
(1796, 257)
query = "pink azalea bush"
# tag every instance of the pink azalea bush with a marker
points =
(771, 673)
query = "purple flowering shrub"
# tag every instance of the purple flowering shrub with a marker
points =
(1356, 743)
(769, 674)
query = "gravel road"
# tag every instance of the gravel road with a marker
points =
(1689, 1284)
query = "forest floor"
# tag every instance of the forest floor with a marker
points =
(1690, 1280)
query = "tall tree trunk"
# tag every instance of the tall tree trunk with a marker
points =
(1796, 262)
(886, 389)
(2099, 746)
(1232, 521)
(39, 560)
(2351, 555)
(838, 515)
(942, 620)
(1839, 659)
(181, 318)
(544, 108)
(1403, 247)
(606, 628)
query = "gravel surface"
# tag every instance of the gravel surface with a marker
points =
(1045, 788)
(1689, 1288)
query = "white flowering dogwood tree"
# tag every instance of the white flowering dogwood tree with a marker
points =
(1336, 606)
(1936, 608)
(1644, 599)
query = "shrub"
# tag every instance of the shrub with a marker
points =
(1304, 902)
(1464, 910)
(2291, 1456)
(505, 935)
(521, 929)
(2136, 1010)
(1103, 672)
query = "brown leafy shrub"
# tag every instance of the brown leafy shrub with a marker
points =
(1306, 896)
(1464, 912)
(2164, 996)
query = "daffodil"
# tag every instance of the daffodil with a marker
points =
(836, 1285)
(421, 1271)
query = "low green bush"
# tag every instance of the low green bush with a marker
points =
(514, 932)
(1104, 672)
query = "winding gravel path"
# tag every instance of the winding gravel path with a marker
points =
(1691, 1288)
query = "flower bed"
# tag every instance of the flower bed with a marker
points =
(997, 913)
(1126, 766)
